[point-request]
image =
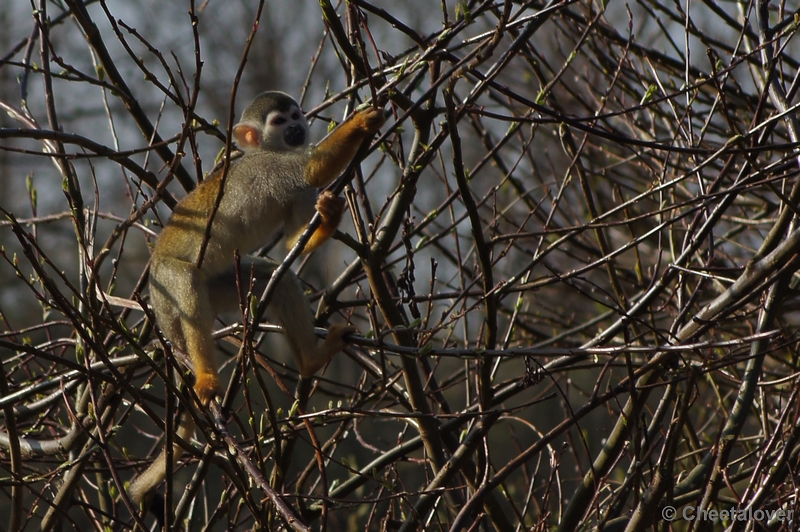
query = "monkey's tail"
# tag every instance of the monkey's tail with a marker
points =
(157, 472)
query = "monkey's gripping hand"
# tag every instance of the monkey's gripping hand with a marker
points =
(330, 208)
(334, 153)
(369, 120)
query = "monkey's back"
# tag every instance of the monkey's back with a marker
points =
(259, 192)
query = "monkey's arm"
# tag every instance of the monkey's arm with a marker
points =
(326, 161)
(331, 156)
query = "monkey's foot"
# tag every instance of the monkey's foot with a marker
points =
(206, 386)
(308, 364)
(335, 341)
(330, 207)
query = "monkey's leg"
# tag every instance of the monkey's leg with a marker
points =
(179, 296)
(289, 308)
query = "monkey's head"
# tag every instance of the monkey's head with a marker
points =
(272, 122)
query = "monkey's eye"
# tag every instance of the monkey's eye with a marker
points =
(295, 116)
(277, 121)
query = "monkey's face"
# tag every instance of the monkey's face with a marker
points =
(272, 122)
(284, 130)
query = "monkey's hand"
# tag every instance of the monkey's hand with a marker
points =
(369, 120)
(331, 156)
(330, 208)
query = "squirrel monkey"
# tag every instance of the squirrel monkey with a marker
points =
(272, 185)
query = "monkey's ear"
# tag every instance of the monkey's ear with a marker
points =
(247, 137)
